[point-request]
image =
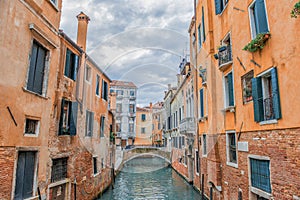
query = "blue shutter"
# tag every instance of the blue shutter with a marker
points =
(29, 174)
(75, 66)
(33, 57)
(39, 71)
(97, 85)
(201, 104)
(257, 99)
(203, 25)
(60, 130)
(230, 89)
(275, 94)
(73, 117)
(260, 17)
(218, 6)
(68, 63)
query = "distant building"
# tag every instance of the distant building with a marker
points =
(143, 126)
(123, 105)
(157, 123)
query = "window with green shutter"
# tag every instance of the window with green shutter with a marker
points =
(71, 65)
(89, 123)
(104, 90)
(68, 118)
(97, 84)
(143, 117)
(102, 126)
(201, 102)
(229, 92)
(258, 18)
(260, 174)
(266, 97)
(220, 5)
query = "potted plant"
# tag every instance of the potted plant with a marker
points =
(296, 10)
(258, 42)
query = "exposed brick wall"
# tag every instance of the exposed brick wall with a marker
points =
(7, 160)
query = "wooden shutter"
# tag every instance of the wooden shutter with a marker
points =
(73, 117)
(275, 94)
(199, 37)
(75, 66)
(60, 130)
(218, 6)
(230, 89)
(68, 63)
(203, 25)
(260, 17)
(33, 57)
(39, 71)
(201, 103)
(257, 99)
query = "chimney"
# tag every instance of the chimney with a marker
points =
(150, 106)
(83, 21)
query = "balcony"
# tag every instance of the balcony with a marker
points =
(225, 57)
(187, 126)
(131, 135)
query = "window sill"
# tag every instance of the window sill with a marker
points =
(230, 109)
(94, 175)
(36, 94)
(273, 121)
(202, 119)
(204, 155)
(31, 135)
(32, 198)
(59, 183)
(261, 193)
(235, 165)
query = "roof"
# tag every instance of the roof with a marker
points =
(123, 84)
(142, 109)
(97, 66)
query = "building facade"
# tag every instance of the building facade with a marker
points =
(157, 124)
(55, 139)
(248, 134)
(143, 126)
(123, 105)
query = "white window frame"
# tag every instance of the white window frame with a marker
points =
(204, 155)
(227, 150)
(98, 171)
(37, 128)
(99, 89)
(251, 19)
(255, 191)
(88, 68)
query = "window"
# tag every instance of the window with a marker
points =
(199, 36)
(104, 90)
(258, 18)
(131, 108)
(59, 169)
(131, 128)
(102, 125)
(143, 117)
(260, 174)
(71, 65)
(224, 52)
(89, 123)
(143, 130)
(231, 148)
(204, 150)
(197, 161)
(102, 163)
(118, 127)
(203, 26)
(132, 93)
(68, 118)
(201, 102)
(97, 84)
(266, 99)
(247, 87)
(229, 95)
(37, 73)
(32, 126)
(95, 169)
(88, 73)
(119, 108)
(25, 174)
(54, 2)
(220, 5)
(120, 92)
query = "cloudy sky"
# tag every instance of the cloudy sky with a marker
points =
(142, 41)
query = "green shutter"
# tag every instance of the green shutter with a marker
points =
(218, 6)
(203, 25)
(230, 89)
(97, 85)
(257, 99)
(73, 117)
(33, 58)
(199, 37)
(201, 103)
(67, 63)
(39, 71)
(75, 66)
(275, 94)
(260, 17)
(60, 130)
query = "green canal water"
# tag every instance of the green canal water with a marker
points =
(149, 178)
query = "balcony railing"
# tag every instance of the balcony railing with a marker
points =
(187, 125)
(225, 57)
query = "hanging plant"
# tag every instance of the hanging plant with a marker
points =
(258, 43)
(296, 10)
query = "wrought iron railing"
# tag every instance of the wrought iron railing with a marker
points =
(187, 125)
(225, 55)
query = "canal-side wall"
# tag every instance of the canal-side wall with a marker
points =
(179, 163)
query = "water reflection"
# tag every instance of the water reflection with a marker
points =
(149, 178)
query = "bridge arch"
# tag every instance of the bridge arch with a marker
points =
(147, 155)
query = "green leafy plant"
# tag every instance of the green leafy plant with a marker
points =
(258, 43)
(296, 10)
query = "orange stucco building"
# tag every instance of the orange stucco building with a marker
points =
(143, 126)
(246, 55)
(55, 136)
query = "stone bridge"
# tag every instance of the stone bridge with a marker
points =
(146, 152)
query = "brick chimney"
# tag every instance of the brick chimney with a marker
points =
(83, 21)
(150, 106)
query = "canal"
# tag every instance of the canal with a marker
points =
(149, 178)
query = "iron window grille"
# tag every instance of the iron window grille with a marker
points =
(59, 169)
